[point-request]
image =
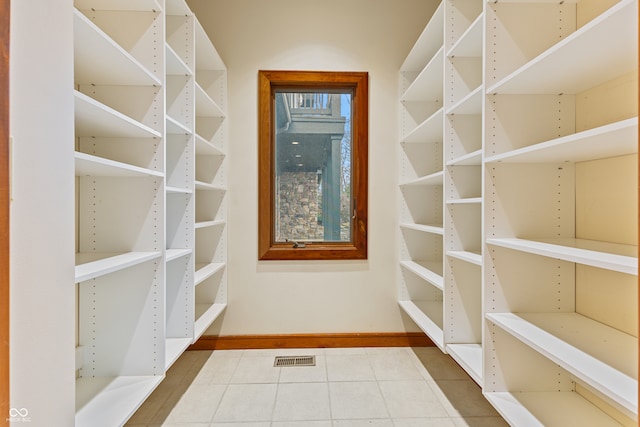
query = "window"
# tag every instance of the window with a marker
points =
(313, 153)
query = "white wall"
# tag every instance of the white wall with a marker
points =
(356, 35)
(42, 217)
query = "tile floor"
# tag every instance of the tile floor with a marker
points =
(377, 387)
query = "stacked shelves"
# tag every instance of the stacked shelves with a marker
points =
(180, 165)
(463, 183)
(196, 224)
(421, 182)
(210, 183)
(441, 181)
(150, 274)
(119, 117)
(560, 216)
(532, 287)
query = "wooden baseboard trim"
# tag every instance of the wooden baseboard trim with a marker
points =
(246, 342)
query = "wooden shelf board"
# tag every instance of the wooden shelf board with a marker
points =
(205, 106)
(174, 127)
(90, 265)
(205, 224)
(470, 43)
(465, 201)
(111, 401)
(209, 187)
(88, 165)
(611, 140)
(100, 60)
(173, 254)
(428, 86)
(206, 314)
(178, 190)
(601, 50)
(425, 323)
(204, 271)
(174, 348)
(429, 42)
(469, 357)
(431, 272)
(583, 347)
(93, 118)
(610, 256)
(433, 179)
(471, 104)
(470, 257)
(433, 229)
(205, 147)
(429, 131)
(470, 159)
(174, 64)
(544, 409)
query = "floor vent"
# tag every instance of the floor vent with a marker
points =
(283, 361)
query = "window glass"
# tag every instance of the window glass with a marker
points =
(313, 166)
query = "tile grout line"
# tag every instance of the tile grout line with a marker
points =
(275, 397)
(226, 387)
(386, 406)
(326, 376)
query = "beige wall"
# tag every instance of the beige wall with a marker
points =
(355, 35)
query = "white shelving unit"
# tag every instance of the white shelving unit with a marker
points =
(180, 163)
(464, 25)
(441, 181)
(422, 180)
(210, 183)
(120, 208)
(519, 203)
(150, 92)
(561, 210)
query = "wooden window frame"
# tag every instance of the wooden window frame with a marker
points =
(268, 83)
